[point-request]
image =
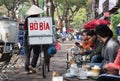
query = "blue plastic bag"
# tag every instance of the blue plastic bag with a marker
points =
(51, 50)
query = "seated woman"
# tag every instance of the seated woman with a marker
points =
(93, 47)
(87, 42)
(95, 54)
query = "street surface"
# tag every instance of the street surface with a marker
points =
(58, 63)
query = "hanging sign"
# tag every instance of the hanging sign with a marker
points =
(40, 31)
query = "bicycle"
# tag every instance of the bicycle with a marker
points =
(44, 61)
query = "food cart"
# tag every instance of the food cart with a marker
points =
(8, 38)
(8, 33)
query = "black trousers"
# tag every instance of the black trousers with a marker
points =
(36, 51)
(34, 59)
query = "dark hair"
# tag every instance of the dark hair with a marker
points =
(91, 33)
(104, 31)
(85, 31)
(36, 15)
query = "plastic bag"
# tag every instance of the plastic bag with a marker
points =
(57, 46)
(52, 50)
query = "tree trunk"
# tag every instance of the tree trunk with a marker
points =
(47, 10)
(37, 2)
(32, 2)
(52, 10)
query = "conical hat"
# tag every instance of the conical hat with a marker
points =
(33, 10)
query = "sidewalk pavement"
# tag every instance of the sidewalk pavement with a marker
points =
(58, 63)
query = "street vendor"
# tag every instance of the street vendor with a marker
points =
(34, 11)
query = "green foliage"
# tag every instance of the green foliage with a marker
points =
(69, 3)
(41, 3)
(67, 9)
(12, 6)
(79, 18)
(24, 9)
(115, 20)
(1, 2)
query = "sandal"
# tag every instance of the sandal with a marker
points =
(32, 69)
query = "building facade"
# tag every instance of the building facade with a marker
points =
(103, 8)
